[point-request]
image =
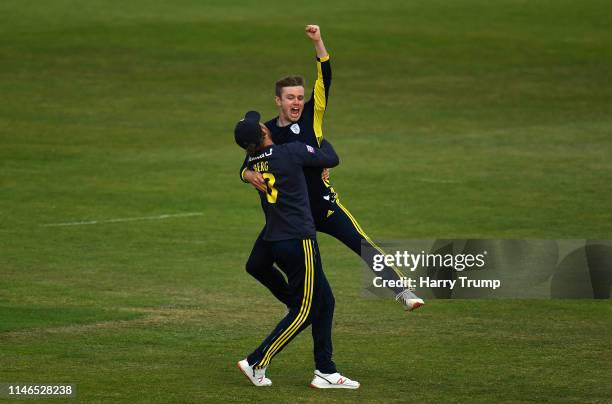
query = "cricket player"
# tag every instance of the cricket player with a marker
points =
(289, 238)
(302, 121)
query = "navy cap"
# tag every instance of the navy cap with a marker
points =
(248, 131)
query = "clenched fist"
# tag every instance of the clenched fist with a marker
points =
(313, 32)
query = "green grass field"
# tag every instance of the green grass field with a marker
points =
(452, 119)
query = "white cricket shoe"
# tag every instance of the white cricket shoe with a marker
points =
(409, 300)
(332, 381)
(256, 376)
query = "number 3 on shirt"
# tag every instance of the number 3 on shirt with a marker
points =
(272, 193)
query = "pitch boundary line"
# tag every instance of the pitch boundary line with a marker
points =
(123, 219)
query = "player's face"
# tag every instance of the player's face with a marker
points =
(291, 103)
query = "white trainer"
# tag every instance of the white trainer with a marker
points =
(409, 300)
(256, 376)
(332, 381)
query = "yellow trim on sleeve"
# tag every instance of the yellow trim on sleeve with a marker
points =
(324, 59)
(320, 102)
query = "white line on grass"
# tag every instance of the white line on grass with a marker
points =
(124, 219)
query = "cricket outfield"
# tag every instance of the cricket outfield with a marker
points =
(124, 227)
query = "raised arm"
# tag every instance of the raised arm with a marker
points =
(320, 93)
(314, 33)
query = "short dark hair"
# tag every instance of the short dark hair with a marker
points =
(289, 81)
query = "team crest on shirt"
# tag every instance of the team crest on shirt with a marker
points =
(310, 149)
(295, 128)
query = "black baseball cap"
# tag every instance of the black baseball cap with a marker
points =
(248, 131)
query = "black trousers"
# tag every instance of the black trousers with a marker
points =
(309, 299)
(339, 224)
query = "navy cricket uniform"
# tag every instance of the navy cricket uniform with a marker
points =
(330, 216)
(289, 239)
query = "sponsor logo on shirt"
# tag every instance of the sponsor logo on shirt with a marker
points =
(262, 155)
(310, 149)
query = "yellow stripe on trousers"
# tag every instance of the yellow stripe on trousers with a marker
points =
(304, 308)
(365, 236)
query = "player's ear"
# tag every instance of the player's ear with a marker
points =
(277, 99)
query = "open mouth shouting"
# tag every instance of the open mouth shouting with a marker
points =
(294, 113)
